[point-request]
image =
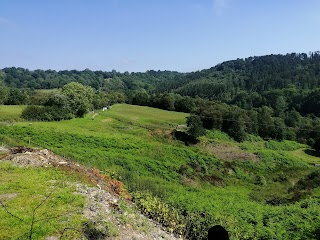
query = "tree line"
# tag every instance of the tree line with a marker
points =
(273, 96)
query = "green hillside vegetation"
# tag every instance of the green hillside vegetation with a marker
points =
(272, 96)
(256, 189)
(47, 193)
(11, 113)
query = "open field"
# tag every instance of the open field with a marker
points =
(10, 113)
(146, 116)
(250, 197)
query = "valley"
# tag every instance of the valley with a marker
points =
(250, 187)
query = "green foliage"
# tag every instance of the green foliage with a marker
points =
(73, 100)
(28, 187)
(79, 98)
(309, 182)
(218, 136)
(316, 145)
(194, 124)
(276, 95)
(156, 209)
(106, 99)
(278, 160)
(283, 145)
(11, 113)
(183, 183)
(46, 113)
(16, 97)
(260, 180)
(234, 124)
(4, 93)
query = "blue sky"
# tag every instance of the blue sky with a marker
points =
(139, 35)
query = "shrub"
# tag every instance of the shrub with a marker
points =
(46, 113)
(156, 209)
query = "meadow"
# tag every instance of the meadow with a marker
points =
(10, 113)
(38, 202)
(252, 188)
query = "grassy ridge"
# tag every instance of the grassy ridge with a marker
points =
(132, 144)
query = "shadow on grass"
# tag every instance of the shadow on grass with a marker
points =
(184, 137)
(312, 152)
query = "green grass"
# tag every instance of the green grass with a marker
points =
(10, 113)
(218, 136)
(125, 143)
(29, 187)
(146, 116)
(306, 157)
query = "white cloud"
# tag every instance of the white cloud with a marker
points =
(219, 6)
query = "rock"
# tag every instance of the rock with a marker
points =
(44, 151)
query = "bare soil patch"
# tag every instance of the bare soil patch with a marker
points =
(7, 196)
(161, 132)
(230, 153)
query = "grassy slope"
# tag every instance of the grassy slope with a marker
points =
(132, 144)
(301, 153)
(10, 113)
(29, 186)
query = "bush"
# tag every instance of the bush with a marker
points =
(195, 126)
(45, 113)
(165, 214)
(260, 180)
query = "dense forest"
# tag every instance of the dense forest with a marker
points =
(274, 96)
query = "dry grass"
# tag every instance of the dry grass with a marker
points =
(227, 152)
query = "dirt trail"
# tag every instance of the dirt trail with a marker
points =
(107, 204)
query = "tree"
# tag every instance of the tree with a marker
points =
(184, 104)
(292, 118)
(194, 124)
(316, 145)
(16, 97)
(140, 97)
(265, 120)
(280, 106)
(79, 97)
(57, 99)
(278, 129)
(234, 124)
(4, 93)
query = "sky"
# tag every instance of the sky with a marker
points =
(140, 35)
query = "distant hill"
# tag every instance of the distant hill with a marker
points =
(254, 74)
(258, 74)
